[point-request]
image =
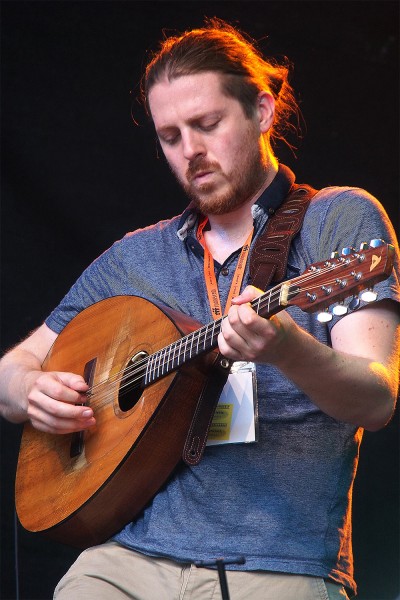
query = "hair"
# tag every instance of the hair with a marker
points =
(219, 47)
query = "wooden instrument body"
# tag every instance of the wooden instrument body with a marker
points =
(83, 497)
(129, 454)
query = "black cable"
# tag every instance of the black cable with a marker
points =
(220, 564)
(16, 555)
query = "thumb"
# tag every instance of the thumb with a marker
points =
(73, 381)
(249, 293)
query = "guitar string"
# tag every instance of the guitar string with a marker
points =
(138, 366)
(262, 301)
(134, 375)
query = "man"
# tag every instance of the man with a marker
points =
(282, 501)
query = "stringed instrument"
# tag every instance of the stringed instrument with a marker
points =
(146, 366)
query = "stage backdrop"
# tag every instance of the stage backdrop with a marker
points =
(78, 172)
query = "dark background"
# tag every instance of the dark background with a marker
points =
(77, 173)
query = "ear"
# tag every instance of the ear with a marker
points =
(265, 111)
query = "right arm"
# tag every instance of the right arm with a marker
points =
(50, 400)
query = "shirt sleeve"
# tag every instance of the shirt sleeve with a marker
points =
(103, 278)
(347, 217)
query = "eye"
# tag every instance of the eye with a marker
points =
(209, 126)
(169, 140)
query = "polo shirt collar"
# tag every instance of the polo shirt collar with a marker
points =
(273, 196)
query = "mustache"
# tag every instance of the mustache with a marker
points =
(200, 165)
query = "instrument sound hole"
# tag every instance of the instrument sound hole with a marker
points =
(131, 387)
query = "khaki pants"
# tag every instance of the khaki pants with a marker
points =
(112, 572)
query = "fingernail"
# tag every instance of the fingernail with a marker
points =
(87, 413)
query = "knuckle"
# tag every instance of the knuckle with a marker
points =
(248, 317)
(56, 389)
(233, 318)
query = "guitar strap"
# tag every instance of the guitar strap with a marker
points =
(198, 432)
(267, 264)
(270, 254)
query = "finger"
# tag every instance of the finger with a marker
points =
(60, 426)
(64, 387)
(243, 321)
(230, 340)
(245, 335)
(249, 293)
(227, 350)
(73, 381)
(47, 414)
(54, 406)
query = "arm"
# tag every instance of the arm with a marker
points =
(355, 381)
(47, 399)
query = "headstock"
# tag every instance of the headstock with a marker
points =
(326, 283)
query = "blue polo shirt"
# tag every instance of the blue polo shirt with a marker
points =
(284, 503)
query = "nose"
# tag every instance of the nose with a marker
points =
(192, 144)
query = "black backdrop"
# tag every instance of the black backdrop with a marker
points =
(77, 173)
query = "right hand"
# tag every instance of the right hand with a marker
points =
(54, 402)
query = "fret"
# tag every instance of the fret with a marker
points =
(315, 287)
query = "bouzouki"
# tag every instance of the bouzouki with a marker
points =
(147, 366)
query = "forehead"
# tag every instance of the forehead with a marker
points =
(187, 97)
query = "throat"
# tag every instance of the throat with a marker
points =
(221, 244)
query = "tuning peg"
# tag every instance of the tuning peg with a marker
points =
(364, 246)
(348, 250)
(339, 309)
(369, 295)
(324, 317)
(354, 303)
(375, 243)
(335, 254)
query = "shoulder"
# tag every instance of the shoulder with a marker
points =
(166, 229)
(340, 217)
(346, 214)
(334, 199)
(144, 241)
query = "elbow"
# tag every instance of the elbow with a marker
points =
(385, 397)
(376, 425)
(378, 419)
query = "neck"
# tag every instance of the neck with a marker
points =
(229, 231)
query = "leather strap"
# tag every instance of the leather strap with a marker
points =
(270, 254)
(267, 263)
(197, 435)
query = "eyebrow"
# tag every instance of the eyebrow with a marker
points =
(192, 121)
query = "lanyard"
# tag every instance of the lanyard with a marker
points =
(209, 273)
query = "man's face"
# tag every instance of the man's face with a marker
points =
(215, 152)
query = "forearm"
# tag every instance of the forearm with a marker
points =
(349, 388)
(15, 369)
(355, 380)
(53, 401)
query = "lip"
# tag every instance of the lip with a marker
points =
(201, 175)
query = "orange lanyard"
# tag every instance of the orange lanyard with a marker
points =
(209, 273)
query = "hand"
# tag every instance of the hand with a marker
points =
(247, 336)
(53, 402)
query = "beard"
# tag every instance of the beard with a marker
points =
(229, 190)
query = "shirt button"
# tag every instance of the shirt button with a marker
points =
(225, 271)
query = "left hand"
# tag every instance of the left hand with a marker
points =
(247, 336)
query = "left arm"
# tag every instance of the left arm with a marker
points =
(355, 381)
